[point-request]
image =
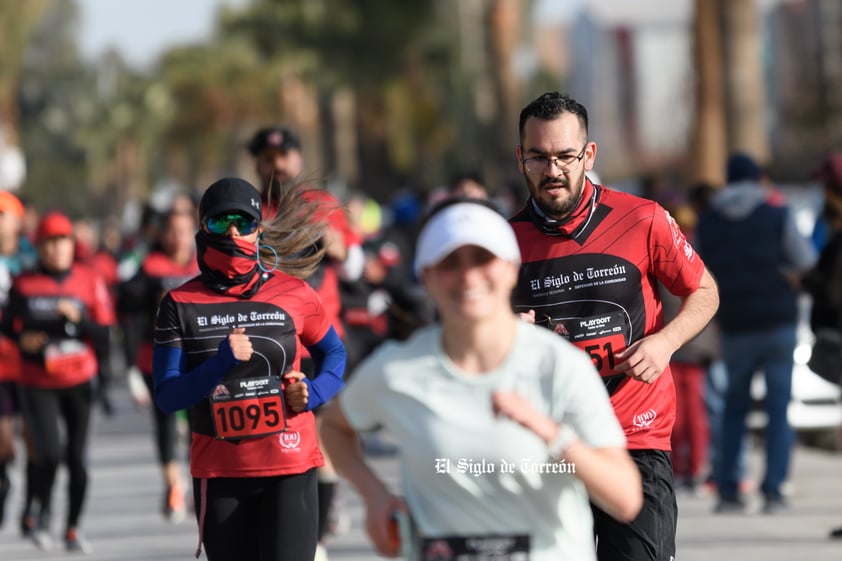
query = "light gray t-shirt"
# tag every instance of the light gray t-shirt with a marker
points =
(453, 448)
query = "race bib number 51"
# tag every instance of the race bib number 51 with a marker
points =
(601, 336)
(248, 408)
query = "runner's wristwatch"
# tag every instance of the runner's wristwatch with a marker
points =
(562, 441)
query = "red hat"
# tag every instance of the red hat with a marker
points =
(10, 203)
(53, 225)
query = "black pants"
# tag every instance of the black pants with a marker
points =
(259, 518)
(650, 536)
(44, 410)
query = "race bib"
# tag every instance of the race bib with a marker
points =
(68, 356)
(601, 336)
(248, 408)
(476, 548)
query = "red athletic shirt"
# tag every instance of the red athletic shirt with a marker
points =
(593, 279)
(331, 209)
(68, 358)
(284, 315)
(325, 280)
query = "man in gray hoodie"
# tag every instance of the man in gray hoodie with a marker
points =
(749, 240)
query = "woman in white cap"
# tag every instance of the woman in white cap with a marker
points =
(228, 346)
(505, 431)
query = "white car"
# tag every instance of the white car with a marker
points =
(816, 403)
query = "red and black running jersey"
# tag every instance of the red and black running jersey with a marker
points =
(67, 359)
(285, 314)
(593, 279)
(158, 274)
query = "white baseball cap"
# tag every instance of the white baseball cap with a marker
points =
(460, 224)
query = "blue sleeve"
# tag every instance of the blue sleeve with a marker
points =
(329, 360)
(176, 389)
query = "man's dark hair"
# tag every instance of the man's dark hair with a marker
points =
(549, 106)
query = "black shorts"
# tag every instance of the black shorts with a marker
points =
(650, 536)
(8, 399)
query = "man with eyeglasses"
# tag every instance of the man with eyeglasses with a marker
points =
(591, 261)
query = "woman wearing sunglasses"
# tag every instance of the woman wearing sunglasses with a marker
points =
(228, 345)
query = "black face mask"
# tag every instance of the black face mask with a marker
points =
(228, 265)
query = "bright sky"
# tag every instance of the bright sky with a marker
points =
(141, 29)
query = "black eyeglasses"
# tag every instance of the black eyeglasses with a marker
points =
(220, 223)
(540, 164)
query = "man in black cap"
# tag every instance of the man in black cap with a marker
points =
(279, 163)
(277, 153)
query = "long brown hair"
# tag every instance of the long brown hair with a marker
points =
(290, 229)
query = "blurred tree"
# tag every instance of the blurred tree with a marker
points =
(212, 94)
(335, 65)
(504, 22)
(827, 51)
(730, 91)
(122, 133)
(745, 87)
(709, 142)
(56, 96)
(16, 22)
(384, 94)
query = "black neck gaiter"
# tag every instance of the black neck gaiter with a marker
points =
(229, 266)
(572, 225)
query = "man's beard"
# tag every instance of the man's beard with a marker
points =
(557, 209)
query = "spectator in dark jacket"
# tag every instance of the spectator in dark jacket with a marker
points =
(751, 244)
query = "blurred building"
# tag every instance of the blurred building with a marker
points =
(640, 86)
(631, 64)
(804, 70)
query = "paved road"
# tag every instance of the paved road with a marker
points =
(123, 523)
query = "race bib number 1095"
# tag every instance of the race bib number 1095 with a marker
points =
(248, 408)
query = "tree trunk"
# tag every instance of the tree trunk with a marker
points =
(344, 109)
(745, 89)
(298, 102)
(709, 138)
(504, 22)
